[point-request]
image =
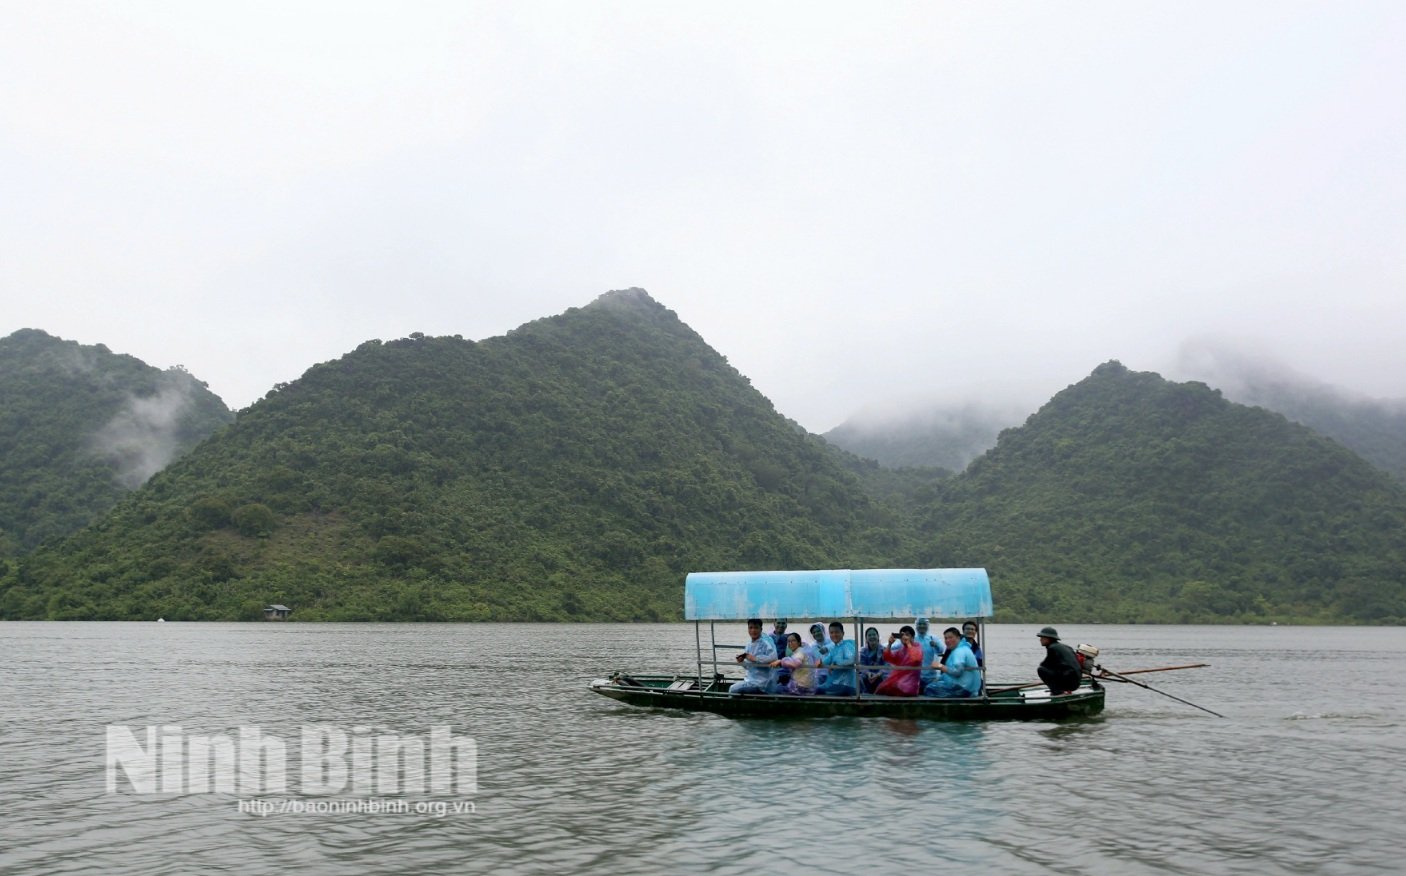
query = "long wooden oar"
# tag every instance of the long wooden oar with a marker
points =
(1155, 690)
(1158, 669)
(1109, 676)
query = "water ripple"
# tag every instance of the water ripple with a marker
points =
(1299, 778)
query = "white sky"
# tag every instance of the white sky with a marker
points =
(855, 203)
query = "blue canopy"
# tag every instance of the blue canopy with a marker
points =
(876, 593)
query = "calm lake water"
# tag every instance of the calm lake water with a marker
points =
(1303, 775)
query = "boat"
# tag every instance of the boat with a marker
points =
(860, 596)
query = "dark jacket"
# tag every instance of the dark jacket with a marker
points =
(1061, 662)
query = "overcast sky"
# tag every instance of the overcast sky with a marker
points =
(858, 204)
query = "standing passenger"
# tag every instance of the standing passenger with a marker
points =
(902, 652)
(871, 656)
(756, 660)
(840, 661)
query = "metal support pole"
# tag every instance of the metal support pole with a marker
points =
(713, 636)
(858, 640)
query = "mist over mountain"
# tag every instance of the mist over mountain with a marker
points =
(926, 435)
(81, 426)
(576, 468)
(1374, 428)
(1128, 497)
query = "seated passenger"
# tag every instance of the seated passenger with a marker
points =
(757, 660)
(870, 659)
(969, 633)
(778, 638)
(802, 663)
(903, 653)
(819, 648)
(840, 664)
(958, 676)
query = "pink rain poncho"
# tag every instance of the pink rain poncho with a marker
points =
(902, 682)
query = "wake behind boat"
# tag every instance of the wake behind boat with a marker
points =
(859, 596)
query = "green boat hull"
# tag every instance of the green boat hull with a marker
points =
(684, 692)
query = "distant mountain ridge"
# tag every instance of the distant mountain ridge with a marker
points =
(1373, 428)
(575, 468)
(81, 426)
(1131, 498)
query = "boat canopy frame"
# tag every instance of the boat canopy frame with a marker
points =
(859, 595)
(838, 593)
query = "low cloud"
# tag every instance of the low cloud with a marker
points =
(144, 435)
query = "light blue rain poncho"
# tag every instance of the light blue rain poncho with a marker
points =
(933, 648)
(757, 667)
(819, 647)
(840, 660)
(960, 678)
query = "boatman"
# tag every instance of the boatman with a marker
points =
(1060, 669)
(757, 661)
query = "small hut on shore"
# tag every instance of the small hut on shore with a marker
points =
(277, 612)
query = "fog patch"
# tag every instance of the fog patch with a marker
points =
(144, 436)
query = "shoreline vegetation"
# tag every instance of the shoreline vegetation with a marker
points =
(577, 468)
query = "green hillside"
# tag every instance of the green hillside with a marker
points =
(1373, 429)
(573, 469)
(1130, 498)
(80, 427)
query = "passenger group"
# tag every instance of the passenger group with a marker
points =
(913, 662)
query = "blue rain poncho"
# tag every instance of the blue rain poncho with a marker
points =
(840, 666)
(872, 654)
(819, 648)
(960, 676)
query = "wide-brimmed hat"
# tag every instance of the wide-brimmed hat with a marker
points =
(1049, 633)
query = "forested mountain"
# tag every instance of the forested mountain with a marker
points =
(1131, 498)
(946, 437)
(1375, 429)
(81, 426)
(575, 468)
(578, 467)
